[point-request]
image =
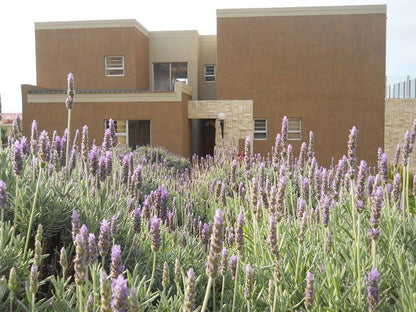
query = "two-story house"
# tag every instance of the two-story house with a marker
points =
(323, 67)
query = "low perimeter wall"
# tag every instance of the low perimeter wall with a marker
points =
(399, 116)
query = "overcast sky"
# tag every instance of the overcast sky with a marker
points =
(17, 35)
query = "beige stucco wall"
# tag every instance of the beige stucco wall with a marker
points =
(207, 56)
(176, 46)
(238, 122)
(399, 116)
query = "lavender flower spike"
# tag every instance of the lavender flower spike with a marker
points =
(309, 291)
(352, 153)
(372, 290)
(190, 292)
(104, 239)
(17, 158)
(155, 233)
(3, 194)
(105, 292)
(116, 262)
(249, 282)
(70, 92)
(120, 295)
(217, 237)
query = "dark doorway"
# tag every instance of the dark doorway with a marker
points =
(207, 130)
(139, 133)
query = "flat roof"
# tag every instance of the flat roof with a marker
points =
(302, 11)
(121, 23)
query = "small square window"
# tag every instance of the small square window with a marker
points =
(294, 129)
(209, 73)
(114, 66)
(260, 129)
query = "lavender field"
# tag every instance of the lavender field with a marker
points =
(103, 228)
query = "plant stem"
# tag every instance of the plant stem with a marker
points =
(33, 303)
(297, 262)
(235, 284)
(373, 252)
(207, 291)
(32, 214)
(358, 262)
(222, 291)
(153, 273)
(68, 139)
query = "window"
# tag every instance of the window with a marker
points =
(260, 129)
(294, 129)
(121, 127)
(165, 75)
(209, 73)
(114, 65)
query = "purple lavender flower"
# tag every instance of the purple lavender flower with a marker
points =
(239, 234)
(396, 188)
(247, 150)
(137, 178)
(125, 169)
(372, 289)
(205, 232)
(70, 92)
(162, 203)
(302, 157)
(224, 261)
(107, 141)
(137, 216)
(305, 189)
(105, 291)
(407, 148)
(217, 237)
(311, 146)
(360, 186)
(102, 171)
(377, 202)
(155, 233)
(383, 171)
(301, 204)
(395, 162)
(84, 144)
(92, 249)
(285, 124)
(73, 159)
(33, 279)
(75, 224)
(104, 239)
(248, 282)
(113, 226)
(81, 254)
(326, 203)
(190, 291)
(34, 138)
(3, 194)
(25, 146)
(111, 126)
(281, 188)
(43, 150)
(413, 134)
(352, 153)
(116, 262)
(93, 160)
(90, 304)
(119, 303)
(108, 163)
(17, 158)
(309, 291)
(233, 266)
(272, 238)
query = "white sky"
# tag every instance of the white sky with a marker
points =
(17, 35)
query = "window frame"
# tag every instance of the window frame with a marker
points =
(214, 75)
(107, 68)
(123, 134)
(294, 131)
(260, 131)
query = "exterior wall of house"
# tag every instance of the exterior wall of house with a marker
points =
(399, 117)
(176, 46)
(324, 65)
(207, 56)
(238, 122)
(167, 112)
(80, 48)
